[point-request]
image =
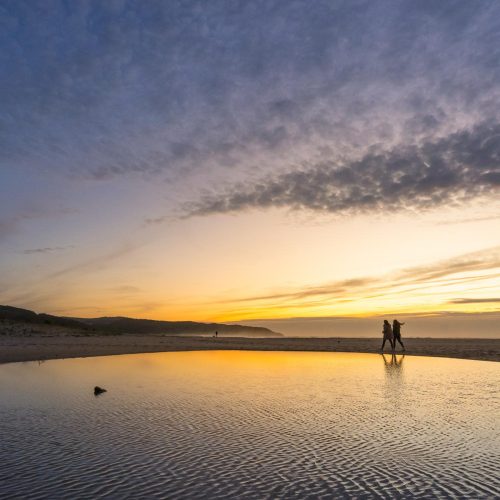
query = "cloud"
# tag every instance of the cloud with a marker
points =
(482, 260)
(338, 288)
(451, 170)
(11, 224)
(30, 251)
(474, 267)
(468, 220)
(179, 89)
(153, 221)
(97, 262)
(475, 301)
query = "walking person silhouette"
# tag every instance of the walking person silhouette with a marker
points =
(396, 330)
(387, 331)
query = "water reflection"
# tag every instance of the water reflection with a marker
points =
(394, 384)
(250, 425)
(393, 364)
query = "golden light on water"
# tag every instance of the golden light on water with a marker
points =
(250, 424)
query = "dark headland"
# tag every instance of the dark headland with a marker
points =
(14, 320)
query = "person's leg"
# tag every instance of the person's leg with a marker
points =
(398, 338)
(383, 344)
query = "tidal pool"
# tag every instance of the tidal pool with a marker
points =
(228, 424)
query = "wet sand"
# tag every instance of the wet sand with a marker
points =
(34, 348)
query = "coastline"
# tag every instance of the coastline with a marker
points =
(37, 348)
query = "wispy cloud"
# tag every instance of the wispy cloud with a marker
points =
(97, 262)
(11, 224)
(468, 220)
(43, 250)
(153, 221)
(486, 259)
(422, 286)
(336, 289)
(475, 301)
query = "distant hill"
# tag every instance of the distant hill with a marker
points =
(130, 325)
(118, 325)
(27, 316)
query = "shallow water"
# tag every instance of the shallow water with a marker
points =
(250, 425)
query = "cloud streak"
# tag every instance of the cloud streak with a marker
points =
(390, 291)
(44, 250)
(491, 300)
(96, 263)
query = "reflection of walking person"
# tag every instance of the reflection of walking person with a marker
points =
(394, 364)
(387, 331)
(396, 330)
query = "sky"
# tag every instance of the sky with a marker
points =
(251, 161)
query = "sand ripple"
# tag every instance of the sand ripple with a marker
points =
(247, 425)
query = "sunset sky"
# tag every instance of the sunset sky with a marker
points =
(232, 161)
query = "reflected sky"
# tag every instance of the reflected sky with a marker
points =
(250, 425)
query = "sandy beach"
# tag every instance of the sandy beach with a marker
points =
(34, 348)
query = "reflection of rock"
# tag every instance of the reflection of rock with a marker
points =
(98, 390)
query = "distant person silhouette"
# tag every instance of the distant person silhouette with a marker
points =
(216, 334)
(387, 331)
(396, 330)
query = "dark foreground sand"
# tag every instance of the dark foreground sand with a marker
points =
(33, 348)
